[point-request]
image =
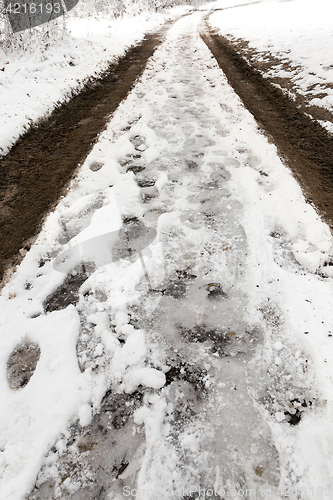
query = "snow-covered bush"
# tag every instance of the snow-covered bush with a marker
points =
(40, 37)
(29, 40)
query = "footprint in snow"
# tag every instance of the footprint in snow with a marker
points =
(21, 364)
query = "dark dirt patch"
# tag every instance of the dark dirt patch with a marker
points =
(136, 169)
(274, 399)
(21, 364)
(120, 407)
(294, 415)
(183, 371)
(202, 334)
(191, 165)
(302, 143)
(178, 284)
(67, 293)
(215, 291)
(223, 342)
(176, 289)
(36, 171)
(147, 197)
(143, 183)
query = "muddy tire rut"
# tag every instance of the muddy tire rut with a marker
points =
(302, 143)
(35, 173)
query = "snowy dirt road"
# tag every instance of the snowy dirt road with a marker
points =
(211, 377)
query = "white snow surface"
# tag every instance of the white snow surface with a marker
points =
(226, 207)
(298, 33)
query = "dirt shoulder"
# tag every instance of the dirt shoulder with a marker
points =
(305, 146)
(37, 170)
(268, 64)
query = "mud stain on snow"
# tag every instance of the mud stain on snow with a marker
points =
(67, 293)
(21, 364)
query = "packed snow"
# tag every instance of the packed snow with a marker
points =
(230, 287)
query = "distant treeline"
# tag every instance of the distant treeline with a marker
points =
(30, 37)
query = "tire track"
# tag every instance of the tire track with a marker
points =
(302, 143)
(36, 171)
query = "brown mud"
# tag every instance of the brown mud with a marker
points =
(37, 170)
(304, 146)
